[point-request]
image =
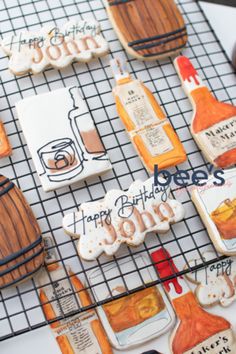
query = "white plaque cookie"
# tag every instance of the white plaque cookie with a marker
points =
(134, 319)
(122, 217)
(216, 284)
(53, 46)
(217, 208)
(63, 141)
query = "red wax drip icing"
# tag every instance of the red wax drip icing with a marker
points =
(187, 70)
(166, 268)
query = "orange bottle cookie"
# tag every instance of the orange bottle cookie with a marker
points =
(151, 134)
(197, 331)
(214, 123)
(5, 147)
(81, 333)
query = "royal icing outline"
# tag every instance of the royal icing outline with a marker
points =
(150, 328)
(207, 200)
(216, 284)
(78, 40)
(102, 226)
(69, 148)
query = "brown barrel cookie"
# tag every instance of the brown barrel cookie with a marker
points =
(21, 243)
(148, 29)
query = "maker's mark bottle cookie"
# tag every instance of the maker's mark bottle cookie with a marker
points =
(214, 123)
(197, 331)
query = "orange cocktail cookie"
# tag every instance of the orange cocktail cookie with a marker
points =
(217, 208)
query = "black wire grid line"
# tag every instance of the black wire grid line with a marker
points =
(20, 308)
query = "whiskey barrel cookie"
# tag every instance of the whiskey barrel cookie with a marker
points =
(21, 244)
(148, 29)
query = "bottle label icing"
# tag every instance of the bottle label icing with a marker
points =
(220, 343)
(60, 293)
(78, 330)
(156, 140)
(136, 104)
(219, 138)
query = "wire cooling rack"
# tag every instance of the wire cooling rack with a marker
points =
(20, 308)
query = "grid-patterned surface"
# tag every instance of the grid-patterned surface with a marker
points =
(20, 309)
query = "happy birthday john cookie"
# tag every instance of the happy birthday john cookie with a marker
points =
(122, 217)
(52, 46)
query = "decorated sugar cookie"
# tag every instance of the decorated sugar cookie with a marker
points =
(53, 46)
(150, 132)
(214, 123)
(122, 217)
(217, 208)
(5, 147)
(136, 318)
(217, 282)
(21, 244)
(197, 331)
(62, 293)
(149, 29)
(63, 141)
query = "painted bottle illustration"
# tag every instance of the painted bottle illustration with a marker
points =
(214, 123)
(77, 334)
(82, 123)
(5, 147)
(151, 134)
(65, 158)
(197, 331)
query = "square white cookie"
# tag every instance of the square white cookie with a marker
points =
(63, 141)
(217, 208)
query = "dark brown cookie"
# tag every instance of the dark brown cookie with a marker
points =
(21, 244)
(148, 29)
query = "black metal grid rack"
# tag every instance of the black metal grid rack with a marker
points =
(20, 308)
